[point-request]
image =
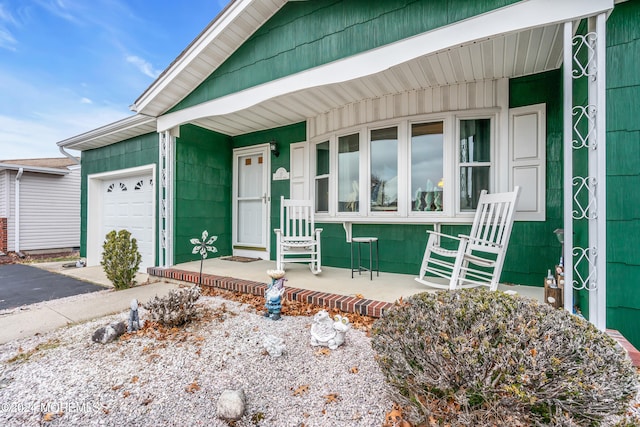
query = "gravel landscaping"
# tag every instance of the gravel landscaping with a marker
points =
(162, 376)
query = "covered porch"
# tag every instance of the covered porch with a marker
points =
(332, 283)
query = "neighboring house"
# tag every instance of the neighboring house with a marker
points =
(39, 205)
(391, 116)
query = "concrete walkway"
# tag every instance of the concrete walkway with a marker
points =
(46, 316)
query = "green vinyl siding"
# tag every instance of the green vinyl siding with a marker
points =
(533, 247)
(134, 152)
(202, 193)
(623, 170)
(303, 35)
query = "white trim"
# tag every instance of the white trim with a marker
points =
(519, 16)
(94, 208)
(263, 149)
(598, 231)
(37, 169)
(16, 222)
(133, 124)
(567, 137)
(533, 162)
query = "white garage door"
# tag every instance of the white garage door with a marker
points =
(128, 204)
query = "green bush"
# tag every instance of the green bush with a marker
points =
(481, 358)
(120, 258)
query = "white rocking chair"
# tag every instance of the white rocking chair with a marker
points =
(297, 238)
(479, 257)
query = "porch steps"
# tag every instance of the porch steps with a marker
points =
(633, 353)
(345, 303)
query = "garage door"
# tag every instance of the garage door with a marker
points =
(128, 204)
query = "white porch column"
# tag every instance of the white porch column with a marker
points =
(585, 196)
(166, 153)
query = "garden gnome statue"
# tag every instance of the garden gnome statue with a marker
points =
(134, 320)
(273, 295)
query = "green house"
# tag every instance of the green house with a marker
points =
(391, 116)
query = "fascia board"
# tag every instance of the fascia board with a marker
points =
(112, 129)
(50, 171)
(517, 17)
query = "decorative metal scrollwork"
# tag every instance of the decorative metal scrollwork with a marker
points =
(584, 45)
(164, 239)
(584, 256)
(584, 187)
(584, 117)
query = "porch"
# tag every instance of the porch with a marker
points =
(333, 287)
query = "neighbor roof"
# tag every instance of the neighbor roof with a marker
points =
(50, 165)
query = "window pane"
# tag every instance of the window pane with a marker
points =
(322, 158)
(384, 169)
(348, 173)
(473, 179)
(427, 166)
(475, 140)
(322, 194)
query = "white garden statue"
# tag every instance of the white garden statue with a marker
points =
(328, 332)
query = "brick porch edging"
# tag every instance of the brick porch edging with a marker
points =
(344, 303)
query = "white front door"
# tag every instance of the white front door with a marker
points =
(251, 201)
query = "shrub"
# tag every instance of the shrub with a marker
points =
(120, 258)
(475, 357)
(176, 308)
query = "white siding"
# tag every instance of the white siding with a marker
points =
(49, 211)
(4, 196)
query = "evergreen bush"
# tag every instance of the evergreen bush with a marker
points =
(481, 358)
(120, 258)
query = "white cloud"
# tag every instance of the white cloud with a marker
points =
(86, 101)
(6, 40)
(144, 66)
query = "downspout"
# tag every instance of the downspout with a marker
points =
(17, 214)
(70, 156)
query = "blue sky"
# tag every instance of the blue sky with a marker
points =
(70, 66)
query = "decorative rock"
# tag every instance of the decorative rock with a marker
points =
(274, 345)
(328, 333)
(109, 333)
(134, 320)
(231, 405)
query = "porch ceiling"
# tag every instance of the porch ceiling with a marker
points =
(506, 56)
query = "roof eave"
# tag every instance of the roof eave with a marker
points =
(82, 142)
(25, 168)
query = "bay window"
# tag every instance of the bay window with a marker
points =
(475, 161)
(384, 170)
(322, 176)
(427, 171)
(348, 173)
(418, 168)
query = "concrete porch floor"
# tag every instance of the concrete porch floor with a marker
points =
(388, 287)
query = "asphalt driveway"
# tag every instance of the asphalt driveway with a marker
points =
(23, 284)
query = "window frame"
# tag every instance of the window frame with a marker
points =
(451, 166)
(492, 163)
